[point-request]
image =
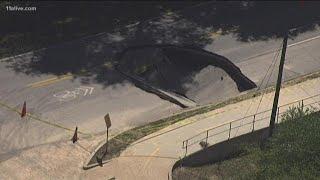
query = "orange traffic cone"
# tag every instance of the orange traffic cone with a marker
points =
(75, 136)
(24, 110)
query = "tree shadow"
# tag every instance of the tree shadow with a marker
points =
(252, 21)
(95, 56)
(56, 22)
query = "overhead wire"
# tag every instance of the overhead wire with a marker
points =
(293, 30)
(272, 65)
(306, 51)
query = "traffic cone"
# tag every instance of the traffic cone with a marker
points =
(75, 136)
(24, 110)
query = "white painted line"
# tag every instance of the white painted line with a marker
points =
(87, 88)
(67, 95)
(274, 50)
(15, 56)
(306, 40)
(85, 92)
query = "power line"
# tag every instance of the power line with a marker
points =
(274, 63)
(278, 52)
(263, 79)
(307, 52)
(261, 83)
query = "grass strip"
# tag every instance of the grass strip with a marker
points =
(123, 140)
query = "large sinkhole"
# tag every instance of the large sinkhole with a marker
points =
(196, 74)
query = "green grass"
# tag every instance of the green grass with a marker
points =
(293, 152)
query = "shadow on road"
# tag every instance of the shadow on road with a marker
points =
(249, 21)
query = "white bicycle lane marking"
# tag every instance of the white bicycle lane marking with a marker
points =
(67, 95)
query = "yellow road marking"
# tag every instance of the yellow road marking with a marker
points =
(150, 157)
(50, 81)
(33, 117)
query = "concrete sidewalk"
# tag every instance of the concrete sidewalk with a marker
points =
(151, 157)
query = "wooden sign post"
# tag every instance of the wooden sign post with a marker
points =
(108, 124)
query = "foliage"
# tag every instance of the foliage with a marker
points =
(296, 112)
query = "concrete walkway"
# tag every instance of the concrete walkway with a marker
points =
(151, 157)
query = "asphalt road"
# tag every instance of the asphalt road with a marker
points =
(68, 101)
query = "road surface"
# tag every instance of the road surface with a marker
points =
(153, 156)
(71, 100)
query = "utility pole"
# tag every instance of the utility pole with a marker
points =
(278, 85)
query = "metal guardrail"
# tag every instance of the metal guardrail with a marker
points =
(253, 120)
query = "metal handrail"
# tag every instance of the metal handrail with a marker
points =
(261, 112)
(186, 144)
